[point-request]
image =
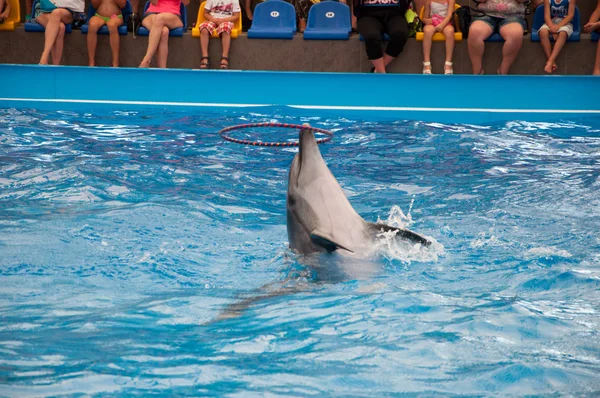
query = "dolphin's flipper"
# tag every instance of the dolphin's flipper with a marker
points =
(401, 233)
(326, 241)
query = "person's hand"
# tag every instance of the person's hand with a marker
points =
(4, 16)
(154, 2)
(439, 28)
(590, 27)
(343, 1)
(249, 13)
(553, 28)
(427, 21)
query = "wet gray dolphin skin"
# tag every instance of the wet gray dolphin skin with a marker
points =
(319, 216)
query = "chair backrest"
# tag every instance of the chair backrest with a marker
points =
(329, 15)
(274, 14)
(183, 12)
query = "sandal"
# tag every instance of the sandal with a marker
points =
(449, 71)
(225, 64)
(427, 68)
(204, 63)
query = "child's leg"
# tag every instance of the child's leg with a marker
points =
(597, 63)
(205, 32)
(94, 24)
(226, 44)
(558, 45)
(57, 49)
(113, 35)
(162, 53)
(449, 34)
(428, 31)
(545, 42)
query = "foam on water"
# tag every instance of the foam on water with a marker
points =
(140, 254)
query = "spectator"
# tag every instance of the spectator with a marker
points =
(104, 8)
(4, 10)
(558, 15)
(592, 25)
(220, 16)
(506, 17)
(53, 16)
(437, 17)
(301, 7)
(376, 17)
(160, 17)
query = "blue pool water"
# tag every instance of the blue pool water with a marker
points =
(125, 237)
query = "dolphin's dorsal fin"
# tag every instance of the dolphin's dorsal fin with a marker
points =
(401, 233)
(326, 241)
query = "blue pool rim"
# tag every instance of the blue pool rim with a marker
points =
(446, 99)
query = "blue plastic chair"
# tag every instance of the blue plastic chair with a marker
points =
(538, 21)
(126, 11)
(36, 27)
(273, 19)
(177, 32)
(328, 20)
(595, 36)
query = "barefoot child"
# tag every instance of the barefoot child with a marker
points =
(220, 16)
(437, 17)
(108, 12)
(592, 25)
(558, 15)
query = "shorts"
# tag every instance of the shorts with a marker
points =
(226, 27)
(568, 28)
(496, 22)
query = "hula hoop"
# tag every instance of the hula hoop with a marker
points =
(223, 134)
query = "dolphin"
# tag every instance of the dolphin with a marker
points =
(319, 216)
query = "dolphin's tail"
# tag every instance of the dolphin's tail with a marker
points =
(400, 233)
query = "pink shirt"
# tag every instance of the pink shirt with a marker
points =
(170, 6)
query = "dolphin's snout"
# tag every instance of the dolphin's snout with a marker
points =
(307, 137)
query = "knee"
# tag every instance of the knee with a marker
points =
(428, 29)
(61, 30)
(55, 15)
(113, 28)
(514, 37)
(544, 33)
(164, 33)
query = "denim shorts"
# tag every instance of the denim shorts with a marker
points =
(496, 23)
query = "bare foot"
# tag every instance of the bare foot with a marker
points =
(115, 64)
(44, 59)
(144, 64)
(550, 67)
(92, 63)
